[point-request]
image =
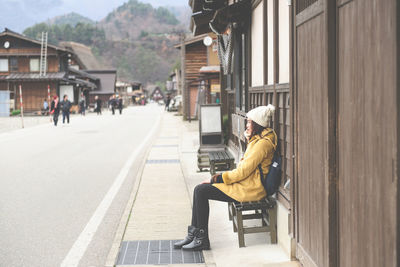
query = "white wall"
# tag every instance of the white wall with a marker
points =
(283, 41)
(67, 90)
(257, 46)
(270, 21)
(283, 228)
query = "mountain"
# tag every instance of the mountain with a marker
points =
(135, 38)
(140, 41)
(133, 19)
(71, 19)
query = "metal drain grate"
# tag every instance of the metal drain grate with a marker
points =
(162, 161)
(151, 252)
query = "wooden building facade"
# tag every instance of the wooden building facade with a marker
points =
(19, 66)
(200, 74)
(332, 70)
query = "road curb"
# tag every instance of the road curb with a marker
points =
(119, 235)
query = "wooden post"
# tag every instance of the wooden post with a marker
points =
(48, 101)
(183, 75)
(331, 46)
(22, 105)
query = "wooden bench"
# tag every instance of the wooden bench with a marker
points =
(264, 209)
(221, 161)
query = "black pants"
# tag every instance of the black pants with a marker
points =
(66, 115)
(55, 118)
(201, 208)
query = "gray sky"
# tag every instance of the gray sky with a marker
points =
(20, 14)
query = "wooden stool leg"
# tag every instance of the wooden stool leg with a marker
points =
(272, 224)
(230, 210)
(263, 222)
(240, 228)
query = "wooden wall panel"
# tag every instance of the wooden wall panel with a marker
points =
(367, 133)
(312, 141)
(52, 63)
(196, 57)
(23, 64)
(33, 94)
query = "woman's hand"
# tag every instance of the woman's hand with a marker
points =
(214, 178)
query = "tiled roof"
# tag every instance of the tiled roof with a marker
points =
(34, 76)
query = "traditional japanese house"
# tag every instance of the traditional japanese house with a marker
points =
(106, 88)
(332, 70)
(200, 73)
(156, 93)
(82, 57)
(20, 66)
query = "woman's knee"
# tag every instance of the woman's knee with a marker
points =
(201, 189)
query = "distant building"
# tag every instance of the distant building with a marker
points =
(82, 57)
(19, 66)
(156, 93)
(106, 86)
(200, 73)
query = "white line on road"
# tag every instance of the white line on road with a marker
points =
(79, 248)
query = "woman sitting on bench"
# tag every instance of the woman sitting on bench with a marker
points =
(242, 184)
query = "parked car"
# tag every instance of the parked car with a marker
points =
(175, 103)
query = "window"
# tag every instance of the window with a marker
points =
(14, 64)
(34, 65)
(3, 64)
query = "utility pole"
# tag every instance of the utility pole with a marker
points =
(22, 105)
(183, 76)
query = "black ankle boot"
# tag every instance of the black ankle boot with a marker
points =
(200, 241)
(189, 238)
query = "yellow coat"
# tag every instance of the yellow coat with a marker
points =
(243, 183)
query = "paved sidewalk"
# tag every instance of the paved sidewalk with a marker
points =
(162, 209)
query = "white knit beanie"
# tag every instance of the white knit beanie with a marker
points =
(261, 115)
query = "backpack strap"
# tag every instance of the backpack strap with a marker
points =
(274, 145)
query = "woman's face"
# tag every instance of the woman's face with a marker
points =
(249, 126)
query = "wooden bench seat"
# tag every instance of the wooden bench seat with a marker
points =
(221, 161)
(265, 210)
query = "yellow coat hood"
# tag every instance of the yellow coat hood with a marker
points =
(243, 183)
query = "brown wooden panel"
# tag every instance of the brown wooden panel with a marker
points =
(367, 133)
(33, 94)
(53, 65)
(23, 64)
(312, 203)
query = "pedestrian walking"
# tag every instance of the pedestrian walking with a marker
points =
(167, 101)
(66, 107)
(120, 105)
(82, 106)
(242, 184)
(98, 105)
(55, 109)
(45, 107)
(113, 103)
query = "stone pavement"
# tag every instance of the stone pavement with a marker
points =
(162, 210)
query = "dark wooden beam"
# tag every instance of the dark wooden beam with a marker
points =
(398, 128)
(331, 70)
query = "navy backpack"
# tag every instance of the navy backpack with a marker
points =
(272, 180)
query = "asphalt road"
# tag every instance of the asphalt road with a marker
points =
(63, 189)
